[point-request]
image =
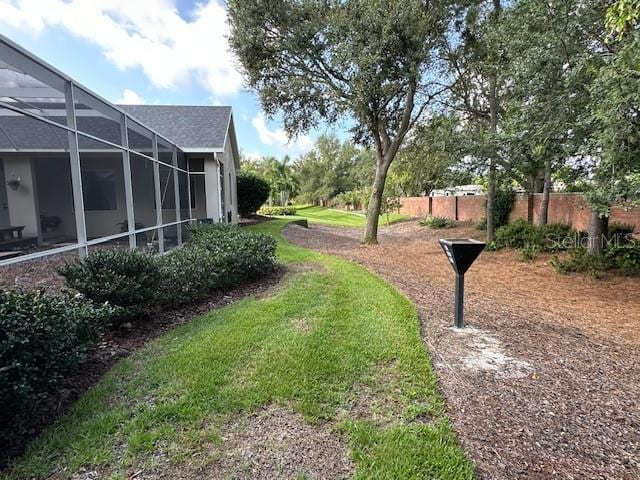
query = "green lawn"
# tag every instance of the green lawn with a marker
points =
(331, 216)
(171, 399)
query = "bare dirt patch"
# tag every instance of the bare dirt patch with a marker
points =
(380, 401)
(278, 443)
(549, 387)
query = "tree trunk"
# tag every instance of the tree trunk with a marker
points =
(493, 161)
(597, 230)
(546, 191)
(491, 202)
(375, 202)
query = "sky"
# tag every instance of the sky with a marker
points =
(171, 52)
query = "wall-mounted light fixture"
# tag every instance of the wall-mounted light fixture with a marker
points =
(14, 182)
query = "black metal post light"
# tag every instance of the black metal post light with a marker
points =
(461, 253)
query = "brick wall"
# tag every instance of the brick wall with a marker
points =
(569, 208)
(471, 207)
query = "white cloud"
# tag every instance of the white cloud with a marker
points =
(279, 138)
(252, 155)
(129, 97)
(150, 35)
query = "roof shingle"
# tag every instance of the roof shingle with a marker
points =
(189, 127)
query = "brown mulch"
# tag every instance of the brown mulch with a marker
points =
(37, 273)
(546, 382)
(118, 343)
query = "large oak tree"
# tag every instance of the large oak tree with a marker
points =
(369, 62)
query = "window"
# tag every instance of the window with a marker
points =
(99, 190)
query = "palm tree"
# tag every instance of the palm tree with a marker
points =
(280, 175)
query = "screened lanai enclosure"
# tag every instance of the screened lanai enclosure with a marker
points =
(78, 173)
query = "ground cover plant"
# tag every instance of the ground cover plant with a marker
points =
(436, 223)
(310, 349)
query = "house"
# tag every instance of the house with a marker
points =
(79, 173)
(457, 191)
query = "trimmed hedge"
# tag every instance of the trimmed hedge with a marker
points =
(216, 256)
(277, 211)
(253, 192)
(43, 339)
(238, 254)
(125, 279)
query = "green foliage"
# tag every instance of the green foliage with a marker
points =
(529, 252)
(504, 204)
(332, 168)
(216, 256)
(279, 174)
(430, 158)
(623, 258)
(252, 191)
(578, 260)
(517, 235)
(620, 231)
(522, 235)
(436, 223)
(123, 278)
(277, 210)
(481, 224)
(623, 16)
(188, 274)
(239, 254)
(43, 338)
(354, 199)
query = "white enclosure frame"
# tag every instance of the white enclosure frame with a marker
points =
(74, 93)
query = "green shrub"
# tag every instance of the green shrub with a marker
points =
(621, 231)
(491, 246)
(218, 256)
(43, 338)
(188, 274)
(277, 211)
(481, 224)
(240, 254)
(529, 252)
(253, 191)
(436, 223)
(625, 258)
(554, 236)
(504, 203)
(578, 260)
(126, 279)
(517, 235)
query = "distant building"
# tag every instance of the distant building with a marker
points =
(458, 191)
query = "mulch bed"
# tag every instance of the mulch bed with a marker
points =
(546, 384)
(115, 343)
